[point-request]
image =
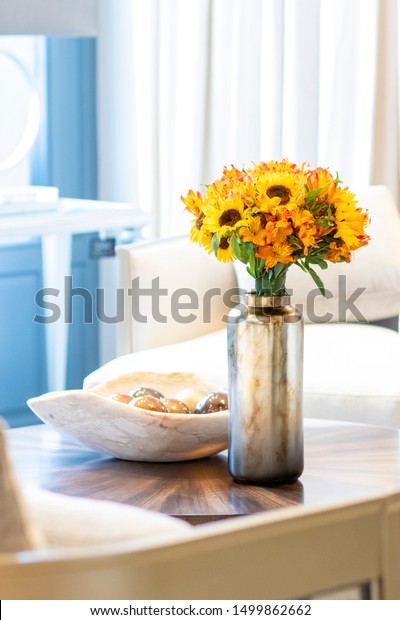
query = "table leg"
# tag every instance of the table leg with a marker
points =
(56, 259)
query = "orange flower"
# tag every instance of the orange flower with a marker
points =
(278, 230)
(255, 232)
(193, 202)
(304, 227)
(322, 232)
(276, 253)
(233, 173)
(321, 178)
(336, 253)
(265, 204)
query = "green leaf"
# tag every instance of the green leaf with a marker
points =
(263, 285)
(248, 248)
(279, 268)
(252, 259)
(215, 243)
(237, 248)
(259, 267)
(300, 264)
(316, 279)
(294, 241)
(278, 278)
(240, 249)
(313, 194)
(316, 260)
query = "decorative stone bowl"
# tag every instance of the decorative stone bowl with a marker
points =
(130, 433)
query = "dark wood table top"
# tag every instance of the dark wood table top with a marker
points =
(342, 462)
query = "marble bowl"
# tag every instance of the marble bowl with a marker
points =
(128, 432)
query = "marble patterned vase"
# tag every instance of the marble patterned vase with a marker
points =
(265, 357)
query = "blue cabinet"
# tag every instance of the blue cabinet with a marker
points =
(22, 344)
(83, 350)
(23, 371)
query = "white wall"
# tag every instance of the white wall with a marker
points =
(117, 179)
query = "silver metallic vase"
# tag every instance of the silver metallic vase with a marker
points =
(265, 358)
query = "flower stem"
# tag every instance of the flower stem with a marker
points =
(272, 282)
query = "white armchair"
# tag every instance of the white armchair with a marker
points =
(351, 369)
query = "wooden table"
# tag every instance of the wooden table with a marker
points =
(342, 462)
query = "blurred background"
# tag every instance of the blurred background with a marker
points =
(140, 100)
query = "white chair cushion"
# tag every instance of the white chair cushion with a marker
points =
(375, 267)
(79, 522)
(17, 532)
(357, 379)
(351, 371)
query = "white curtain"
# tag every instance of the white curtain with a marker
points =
(197, 85)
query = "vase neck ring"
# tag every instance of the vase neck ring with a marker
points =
(265, 301)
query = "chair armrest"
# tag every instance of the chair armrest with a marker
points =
(177, 293)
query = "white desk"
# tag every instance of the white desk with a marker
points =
(56, 227)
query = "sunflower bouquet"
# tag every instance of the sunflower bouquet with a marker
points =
(276, 214)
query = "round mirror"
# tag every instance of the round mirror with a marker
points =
(19, 111)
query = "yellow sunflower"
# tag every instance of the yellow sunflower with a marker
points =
(350, 220)
(288, 188)
(232, 183)
(247, 190)
(226, 216)
(198, 234)
(224, 251)
(196, 229)
(218, 190)
(277, 166)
